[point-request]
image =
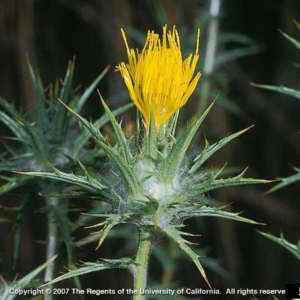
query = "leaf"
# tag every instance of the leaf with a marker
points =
(88, 240)
(77, 106)
(110, 222)
(91, 185)
(8, 165)
(125, 169)
(171, 126)
(65, 93)
(119, 134)
(122, 263)
(93, 130)
(87, 134)
(208, 151)
(121, 164)
(39, 96)
(175, 236)
(60, 212)
(23, 208)
(58, 125)
(212, 183)
(294, 249)
(292, 40)
(151, 139)
(9, 108)
(39, 142)
(22, 283)
(203, 211)
(173, 162)
(13, 183)
(286, 181)
(280, 89)
(16, 127)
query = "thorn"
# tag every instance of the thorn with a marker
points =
(55, 170)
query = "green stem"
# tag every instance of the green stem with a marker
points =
(213, 30)
(168, 270)
(142, 260)
(52, 203)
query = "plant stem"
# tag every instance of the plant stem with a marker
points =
(213, 30)
(142, 260)
(52, 203)
(168, 270)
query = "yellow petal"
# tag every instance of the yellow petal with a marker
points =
(158, 78)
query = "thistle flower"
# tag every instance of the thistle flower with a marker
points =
(157, 186)
(158, 79)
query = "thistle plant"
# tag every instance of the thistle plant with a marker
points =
(54, 138)
(150, 181)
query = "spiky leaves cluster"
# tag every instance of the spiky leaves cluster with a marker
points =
(53, 137)
(154, 186)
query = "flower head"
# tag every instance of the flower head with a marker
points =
(159, 81)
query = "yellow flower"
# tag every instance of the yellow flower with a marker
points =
(158, 79)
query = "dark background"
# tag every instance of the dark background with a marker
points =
(53, 32)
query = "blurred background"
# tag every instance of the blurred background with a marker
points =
(240, 45)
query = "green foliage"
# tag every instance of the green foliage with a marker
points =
(294, 249)
(153, 186)
(53, 140)
(289, 92)
(26, 282)
(286, 181)
(89, 267)
(291, 39)
(280, 89)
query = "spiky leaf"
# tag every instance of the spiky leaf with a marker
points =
(209, 150)
(120, 135)
(203, 211)
(286, 181)
(40, 99)
(22, 283)
(87, 134)
(280, 89)
(212, 183)
(123, 263)
(89, 184)
(294, 249)
(292, 40)
(109, 223)
(175, 236)
(15, 126)
(174, 160)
